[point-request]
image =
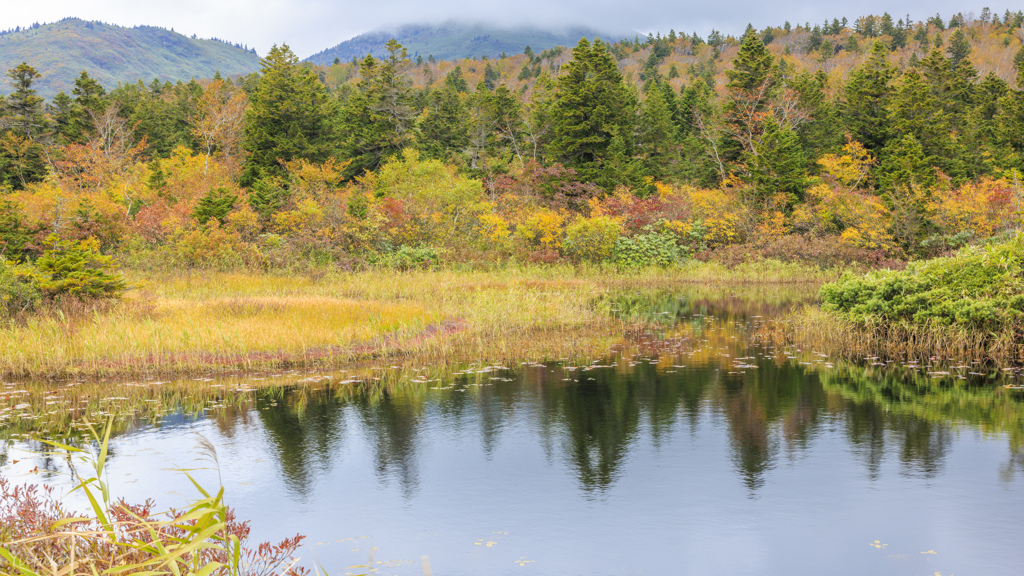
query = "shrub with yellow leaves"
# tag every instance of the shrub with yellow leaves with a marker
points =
(592, 239)
(541, 229)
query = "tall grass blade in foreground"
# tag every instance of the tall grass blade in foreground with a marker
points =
(42, 539)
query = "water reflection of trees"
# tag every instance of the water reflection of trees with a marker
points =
(305, 429)
(594, 417)
(919, 412)
(596, 414)
(392, 422)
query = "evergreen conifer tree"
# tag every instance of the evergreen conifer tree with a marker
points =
(378, 119)
(442, 126)
(215, 205)
(289, 117)
(866, 97)
(22, 125)
(591, 106)
(959, 48)
(657, 133)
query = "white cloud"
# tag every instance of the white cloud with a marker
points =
(309, 26)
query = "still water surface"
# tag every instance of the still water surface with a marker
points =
(703, 454)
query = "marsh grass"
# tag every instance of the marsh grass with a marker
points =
(813, 328)
(191, 323)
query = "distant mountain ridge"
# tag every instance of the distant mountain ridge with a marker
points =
(62, 50)
(456, 40)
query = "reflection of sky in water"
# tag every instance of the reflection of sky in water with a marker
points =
(638, 469)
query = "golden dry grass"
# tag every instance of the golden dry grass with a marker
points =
(193, 322)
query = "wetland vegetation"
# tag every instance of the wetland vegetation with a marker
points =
(745, 291)
(680, 369)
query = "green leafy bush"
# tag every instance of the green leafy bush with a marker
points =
(980, 287)
(19, 290)
(650, 249)
(411, 258)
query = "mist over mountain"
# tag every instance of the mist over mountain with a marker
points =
(111, 54)
(454, 40)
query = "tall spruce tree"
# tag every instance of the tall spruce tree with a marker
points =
(984, 126)
(378, 120)
(761, 144)
(959, 48)
(508, 121)
(23, 109)
(592, 105)
(752, 68)
(657, 136)
(22, 127)
(442, 125)
(289, 117)
(1011, 118)
(866, 99)
(751, 88)
(823, 132)
(90, 100)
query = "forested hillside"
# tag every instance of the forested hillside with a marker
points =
(112, 54)
(873, 140)
(456, 40)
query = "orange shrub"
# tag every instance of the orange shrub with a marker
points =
(984, 207)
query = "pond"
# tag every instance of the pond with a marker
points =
(689, 449)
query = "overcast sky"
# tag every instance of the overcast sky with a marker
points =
(309, 26)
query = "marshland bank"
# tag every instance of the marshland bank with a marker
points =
(200, 321)
(966, 308)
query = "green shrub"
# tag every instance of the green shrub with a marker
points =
(215, 204)
(19, 289)
(650, 249)
(980, 287)
(15, 235)
(410, 258)
(80, 271)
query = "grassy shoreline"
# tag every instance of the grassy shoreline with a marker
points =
(830, 333)
(966, 308)
(189, 323)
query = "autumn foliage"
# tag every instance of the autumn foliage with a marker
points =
(869, 141)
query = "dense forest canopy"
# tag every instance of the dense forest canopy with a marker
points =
(866, 140)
